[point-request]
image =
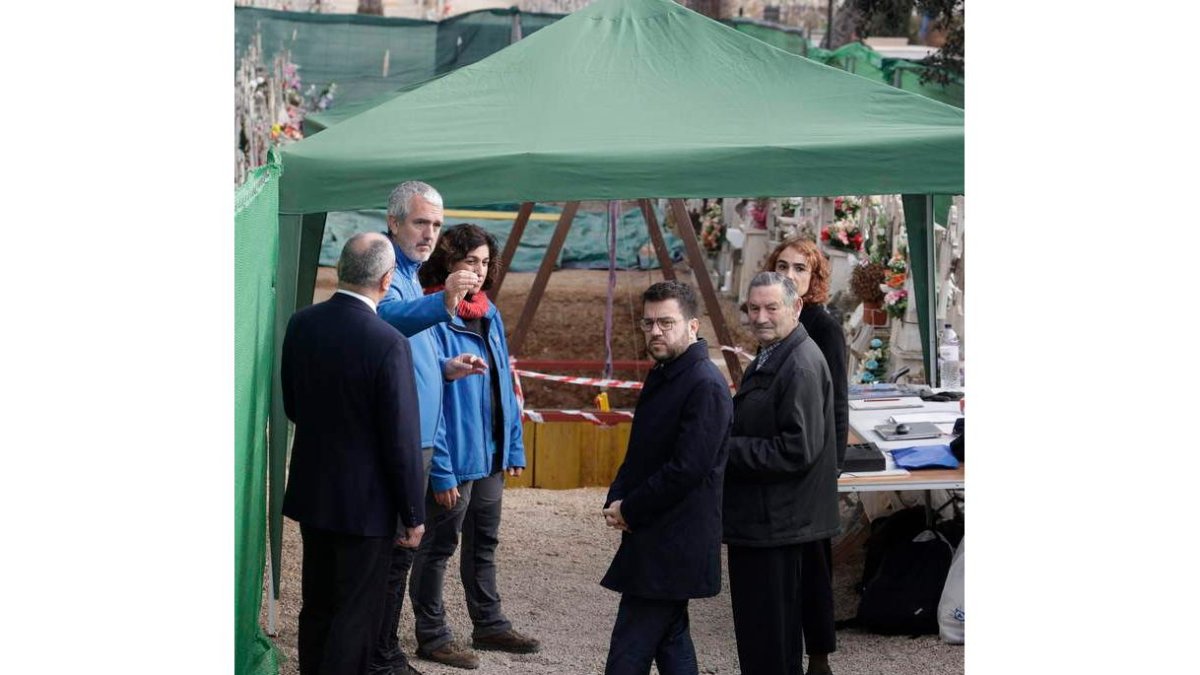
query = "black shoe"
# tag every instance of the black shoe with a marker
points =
(394, 669)
(508, 641)
(451, 654)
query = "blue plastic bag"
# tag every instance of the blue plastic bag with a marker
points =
(925, 457)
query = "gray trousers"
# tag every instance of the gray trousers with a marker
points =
(477, 516)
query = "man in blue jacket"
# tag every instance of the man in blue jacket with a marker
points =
(666, 497)
(414, 222)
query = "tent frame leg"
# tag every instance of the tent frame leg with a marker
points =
(704, 281)
(510, 248)
(656, 237)
(517, 342)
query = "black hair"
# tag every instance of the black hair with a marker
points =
(453, 246)
(682, 293)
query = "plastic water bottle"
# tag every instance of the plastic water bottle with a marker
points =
(948, 364)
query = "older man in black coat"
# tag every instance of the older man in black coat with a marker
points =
(781, 480)
(666, 497)
(356, 465)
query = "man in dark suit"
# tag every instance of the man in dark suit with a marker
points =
(356, 459)
(666, 497)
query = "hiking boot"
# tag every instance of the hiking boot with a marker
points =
(451, 654)
(508, 641)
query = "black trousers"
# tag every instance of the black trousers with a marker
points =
(388, 654)
(765, 591)
(651, 630)
(816, 597)
(342, 583)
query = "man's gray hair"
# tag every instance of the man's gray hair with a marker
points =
(402, 196)
(365, 258)
(790, 293)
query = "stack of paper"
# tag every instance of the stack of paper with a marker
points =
(887, 403)
(934, 417)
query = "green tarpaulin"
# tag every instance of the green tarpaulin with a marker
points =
(584, 248)
(550, 119)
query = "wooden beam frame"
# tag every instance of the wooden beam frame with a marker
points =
(543, 276)
(510, 248)
(704, 282)
(656, 237)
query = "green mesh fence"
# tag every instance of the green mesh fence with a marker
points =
(907, 76)
(791, 40)
(372, 57)
(256, 239)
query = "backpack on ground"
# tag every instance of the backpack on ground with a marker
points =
(903, 575)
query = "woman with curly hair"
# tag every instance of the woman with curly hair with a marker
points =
(483, 442)
(800, 260)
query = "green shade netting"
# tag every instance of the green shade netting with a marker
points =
(858, 58)
(907, 76)
(549, 119)
(256, 239)
(788, 40)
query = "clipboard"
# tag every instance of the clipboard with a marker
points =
(916, 431)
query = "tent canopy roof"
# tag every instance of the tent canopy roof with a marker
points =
(626, 99)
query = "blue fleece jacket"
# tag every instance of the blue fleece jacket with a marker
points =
(412, 312)
(468, 408)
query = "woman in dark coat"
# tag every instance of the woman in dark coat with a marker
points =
(801, 260)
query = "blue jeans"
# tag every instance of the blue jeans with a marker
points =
(651, 630)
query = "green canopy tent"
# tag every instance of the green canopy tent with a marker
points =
(549, 119)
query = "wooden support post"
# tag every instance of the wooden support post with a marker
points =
(704, 281)
(656, 237)
(510, 248)
(543, 277)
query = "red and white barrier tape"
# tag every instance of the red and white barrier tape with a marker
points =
(589, 381)
(540, 418)
(739, 351)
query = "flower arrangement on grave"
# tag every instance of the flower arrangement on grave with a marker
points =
(788, 206)
(895, 295)
(873, 367)
(866, 279)
(758, 213)
(712, 229)
(844, 234)
(846, 208)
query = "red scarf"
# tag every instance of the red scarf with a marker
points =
(472, 307)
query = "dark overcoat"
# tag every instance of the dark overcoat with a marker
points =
(670, 483)
(781, 479)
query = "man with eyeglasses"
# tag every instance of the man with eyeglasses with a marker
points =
(666, 497)
(781, 479)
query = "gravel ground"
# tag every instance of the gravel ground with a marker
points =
(554, 549)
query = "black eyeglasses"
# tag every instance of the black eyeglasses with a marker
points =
(665, 323)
